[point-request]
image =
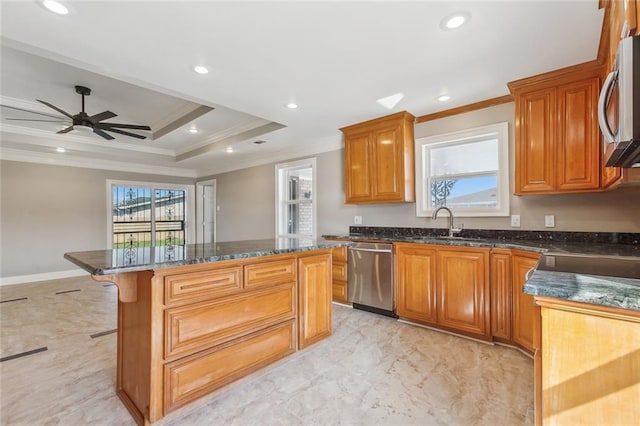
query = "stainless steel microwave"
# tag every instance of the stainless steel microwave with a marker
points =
(619, 107)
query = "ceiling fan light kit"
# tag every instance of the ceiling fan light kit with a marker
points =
(96, 121)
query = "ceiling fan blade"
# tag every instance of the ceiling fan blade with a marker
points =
(33, 119)
(107, 126)
(102, 116)
(32, 112)
(56, 108)
(122, 132)
(103, 134)
(67, 130)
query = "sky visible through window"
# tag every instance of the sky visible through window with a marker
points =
(470, 186)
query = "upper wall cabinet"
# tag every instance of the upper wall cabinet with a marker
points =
(379, 160)
(558, 141)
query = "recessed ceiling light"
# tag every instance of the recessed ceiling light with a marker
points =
(229, 149)
(390, 101)
(55, 7)
(193, 130)
(292, 105)
(60, 149)
(201, 69)
(455, 20)
(443, 98)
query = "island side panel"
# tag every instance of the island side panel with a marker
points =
(134, 347)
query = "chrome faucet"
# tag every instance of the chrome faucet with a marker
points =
(452, 230)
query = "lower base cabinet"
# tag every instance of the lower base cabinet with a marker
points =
(444, 287)
(339, 273)
(589, 368)
(192, 329)
(524, 309)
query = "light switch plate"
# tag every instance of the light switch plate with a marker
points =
(550, 221)
(515, 221)
(357, 220)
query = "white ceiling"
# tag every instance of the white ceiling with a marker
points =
(334, 59)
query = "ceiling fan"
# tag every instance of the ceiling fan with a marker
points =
(94, 122)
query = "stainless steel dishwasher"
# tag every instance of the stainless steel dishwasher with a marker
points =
(370, 279)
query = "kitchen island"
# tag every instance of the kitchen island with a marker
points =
(194, 318)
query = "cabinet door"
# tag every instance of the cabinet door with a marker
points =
(314, 299)
(523, 305)
(358, 168)
(415, 274)
(388, 173)
(463, 290)
(578, 144)
(501, 295)
(535, 145)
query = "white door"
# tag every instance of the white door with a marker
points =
(206, 211)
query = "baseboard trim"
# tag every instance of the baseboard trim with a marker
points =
(25, 279)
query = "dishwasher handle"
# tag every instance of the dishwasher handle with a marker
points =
(370, 250)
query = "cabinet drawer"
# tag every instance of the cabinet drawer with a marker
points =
(199, 374)
(196, 327)
(339, 292)
(274, 272)
(202, 285)
(339, 254)
(339, 271)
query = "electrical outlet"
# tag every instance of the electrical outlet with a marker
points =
(515, 221)
(550, 221)
(357, 220)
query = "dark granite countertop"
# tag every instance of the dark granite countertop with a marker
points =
(115, 261)
(594, 287)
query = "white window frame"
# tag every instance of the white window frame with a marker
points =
(281, 188)
(189, 204)
(499, 131)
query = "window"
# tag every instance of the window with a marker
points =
(295, 192)
(147, 221)
(467, 171)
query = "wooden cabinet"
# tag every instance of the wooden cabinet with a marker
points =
(524, 310)
(501, 294)
(415, 276)
(558, 141)
(188, 330)
(463, 289)
(339, 274)
(379, 160)
(589, 368)
(314, 299)
(444, 286)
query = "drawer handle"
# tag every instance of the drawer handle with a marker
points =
(190, 286)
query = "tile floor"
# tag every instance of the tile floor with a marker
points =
(372, 371)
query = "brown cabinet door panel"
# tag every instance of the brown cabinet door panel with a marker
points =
(339, 292)
(463, 290)
(523, 305)
(314, 299)
(388, 161)
(358, 168)
(579, 138)
(415, 275)
(196, 327)
(501, 295)
(535, 150)
(195, 376)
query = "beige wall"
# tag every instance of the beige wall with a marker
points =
(47, 210)
(615, 211)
